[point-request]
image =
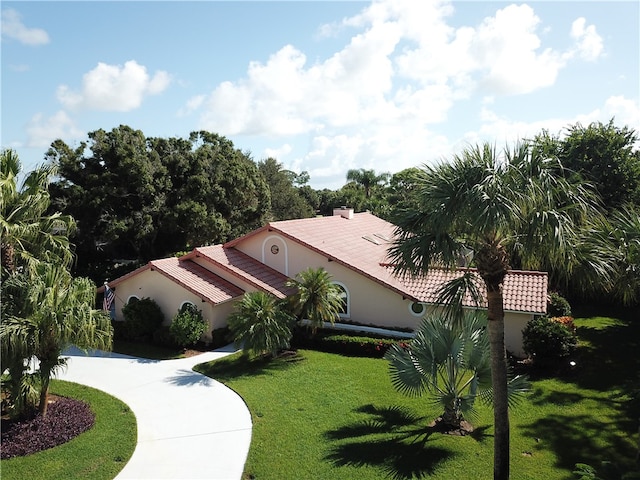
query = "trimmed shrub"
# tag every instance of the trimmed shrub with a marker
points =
(220, 337)
(142, 318)
(188, 325)
(558, 306)
(344, 344)
(548, 341)
(162, 336)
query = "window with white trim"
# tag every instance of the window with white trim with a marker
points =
(133, 297)
(186, 302)
(345, 311)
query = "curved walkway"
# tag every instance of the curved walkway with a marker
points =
(189, 426)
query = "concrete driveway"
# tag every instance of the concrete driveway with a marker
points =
(189, 426)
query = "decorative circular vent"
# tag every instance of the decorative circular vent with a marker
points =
(275, 249)
(417, 309)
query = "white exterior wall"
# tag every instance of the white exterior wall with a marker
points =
(169, 296)
(369, 302)
(514, 324)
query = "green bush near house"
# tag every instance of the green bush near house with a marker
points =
(373, 346)
(220, 337)
(142, 318)
(188, 325)
(558, 306)
(548, 341)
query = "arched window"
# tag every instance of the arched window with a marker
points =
(133, 298)
(345, 311)
(417, 309)
(187, 302)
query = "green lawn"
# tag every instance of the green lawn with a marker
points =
(99, 453)
(326, 416)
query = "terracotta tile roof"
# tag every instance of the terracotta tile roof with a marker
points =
(361, 244)
(246, 268)
(197, 279)
(523, 291)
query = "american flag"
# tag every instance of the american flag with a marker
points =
(109, 297)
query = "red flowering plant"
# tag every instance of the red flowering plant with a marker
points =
(567, 321)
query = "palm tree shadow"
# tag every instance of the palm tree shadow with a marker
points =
(392, 439)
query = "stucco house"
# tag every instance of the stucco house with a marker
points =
(352, 247)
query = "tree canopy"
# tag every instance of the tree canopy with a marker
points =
(604, 154)
(288, 200)
(139, 198)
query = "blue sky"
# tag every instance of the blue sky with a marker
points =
(321, 86)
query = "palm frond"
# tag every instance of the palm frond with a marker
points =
(453, 293)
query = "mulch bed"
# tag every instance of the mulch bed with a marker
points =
(66, 419)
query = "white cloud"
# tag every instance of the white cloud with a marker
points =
(378, 102)
(193, 104)
(623, 110)
(114, 88)
(42, 131)
(589, 44)
(501, 128)
(507, 48)
(12, 27)
(278, 153)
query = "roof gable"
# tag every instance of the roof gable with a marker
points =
(197, 279)
(245, 268)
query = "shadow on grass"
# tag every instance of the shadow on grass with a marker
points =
(581, 439)
(239, 365)
(606, 373)
(393, 439)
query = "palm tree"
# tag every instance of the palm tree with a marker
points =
(449, 359)
(516, 208)
(317, 299)
(29, 235)
(55, 312)
(368, 179)
(16, 352)
(260, 325)
(620, 235)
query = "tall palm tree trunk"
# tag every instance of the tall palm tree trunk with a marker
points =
(499, 383)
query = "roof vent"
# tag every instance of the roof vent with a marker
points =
(343, 212)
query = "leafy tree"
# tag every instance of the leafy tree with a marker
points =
(286, 200)
(139, 198)
(188, 325)
(402, 190)
(604, 154)
(28, 234)
(518, 207)
(316, 299)
(56, 311)
(260, 325)
(450, 360)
